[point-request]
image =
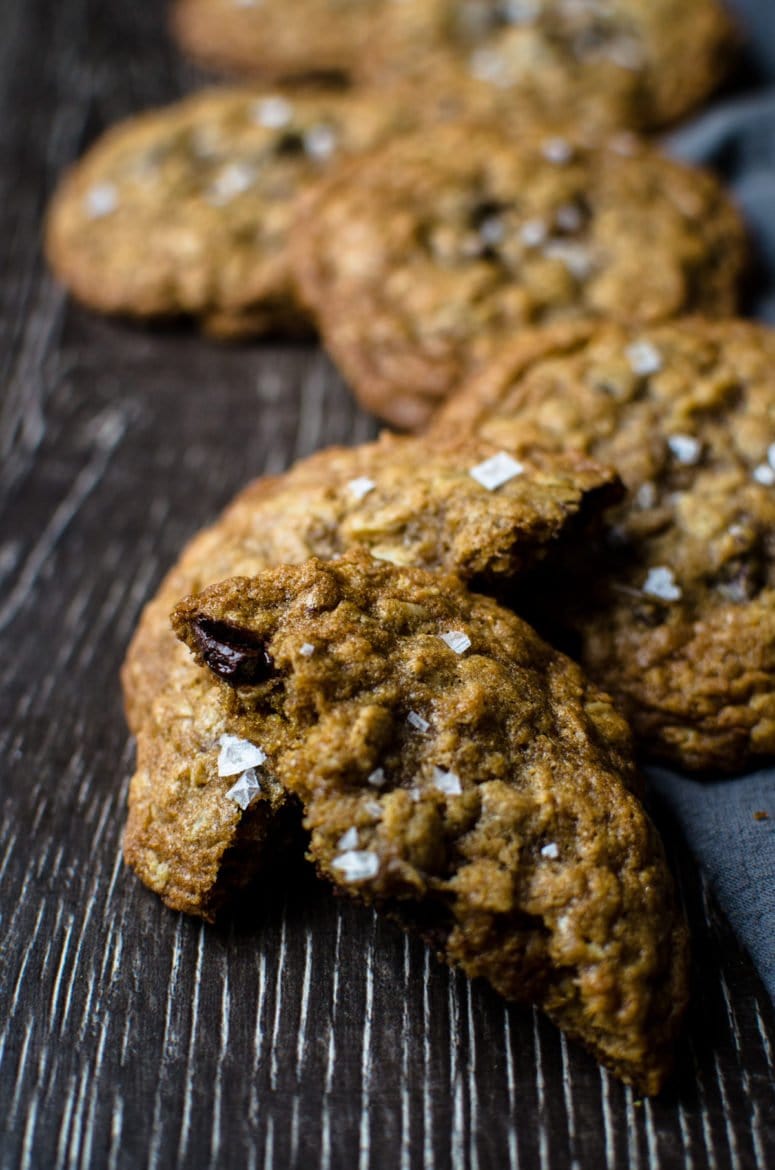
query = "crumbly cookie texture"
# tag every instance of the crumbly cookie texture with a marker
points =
(187, 209)
(420, 258)
(677, 616)
(455, 769)
(462, 506)
(637, 63)
(317, 38)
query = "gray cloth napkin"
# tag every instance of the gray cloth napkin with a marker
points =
(719, 821)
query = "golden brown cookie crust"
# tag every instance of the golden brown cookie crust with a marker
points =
(275, 39)
(187, 209)
(678, 620)
(636, 63)
(422, 257)
(408, 501)
(453, 766)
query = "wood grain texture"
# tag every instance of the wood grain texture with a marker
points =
(304, 1032)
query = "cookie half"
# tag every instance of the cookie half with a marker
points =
(187, 210)
(636, 63)
(465, 507)
(677, 617)
(458, 772)
(420, 258)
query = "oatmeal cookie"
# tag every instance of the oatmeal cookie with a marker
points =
(462, 506)
(420, 258)
(278, 40)
(636, 63)
(677, 616)
(187, 210)
(456, 770)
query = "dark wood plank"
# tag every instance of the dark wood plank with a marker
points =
(304, 1031)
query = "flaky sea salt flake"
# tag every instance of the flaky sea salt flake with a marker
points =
(551, 851)
(660, 582)
(764, 475)
(557, 150)
(307, 650)
(446, 782)
(685, 448)
(238, 755)
(644, 358)
(496, 471)
(356, 865)
(417, 722)
(376, 778)
(273, 112)
(348, 840)
(245, 790)
(360, 487)
(456, 640)
(101, 200)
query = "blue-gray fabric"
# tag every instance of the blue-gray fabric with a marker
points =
(722, 821)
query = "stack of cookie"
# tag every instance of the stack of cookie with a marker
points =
(551, 300)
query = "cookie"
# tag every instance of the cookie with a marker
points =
(677, 619)
(405, 500)
(318, 38)
(636, 63)
(419, 259)
(187, 210)
(458, 772)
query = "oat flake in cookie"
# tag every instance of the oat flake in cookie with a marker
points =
(409, 502)
(504, 826)
(187, 210)
(677, 616)
(638, 63)
(423, 256)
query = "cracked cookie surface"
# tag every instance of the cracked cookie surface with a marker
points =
(187, 209)
(408, 501)
(677, 617)
(420, 258)
(456, 770)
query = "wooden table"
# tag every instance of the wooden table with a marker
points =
(303, 1032)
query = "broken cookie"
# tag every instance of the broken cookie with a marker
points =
(460, 773)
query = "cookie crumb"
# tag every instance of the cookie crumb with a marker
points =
(238, 755)
(496, 471)
(761, 815)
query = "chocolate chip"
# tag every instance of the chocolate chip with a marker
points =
(236, 655)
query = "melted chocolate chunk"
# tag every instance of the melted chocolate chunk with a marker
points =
(237, 656)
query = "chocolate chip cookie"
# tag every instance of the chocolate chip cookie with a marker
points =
(420, 258)
(187, 210)
(458, 772)
(278, 40)
(677, 616)
(465, 507)
(637, 63)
